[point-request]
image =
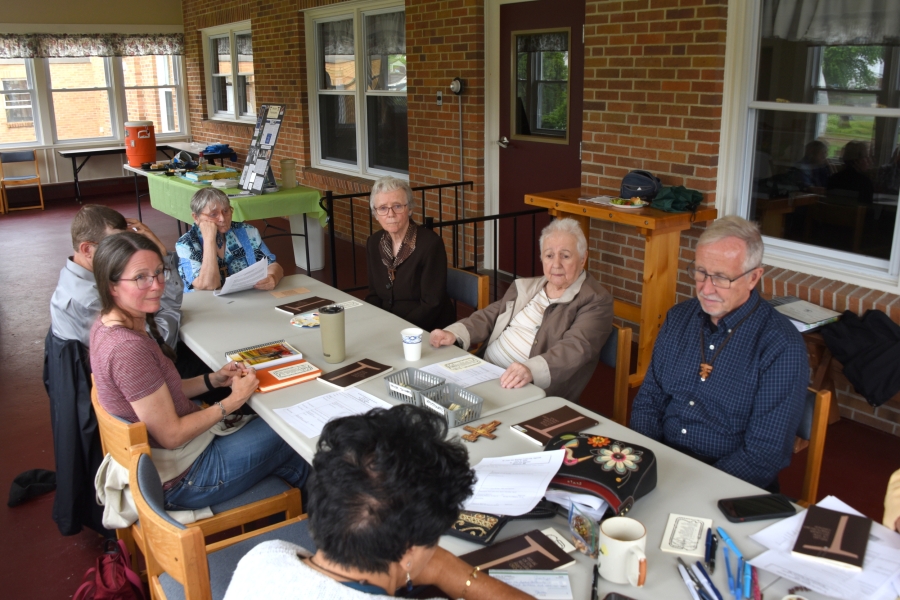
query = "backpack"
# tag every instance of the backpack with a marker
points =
(640, 184)
(112, 578)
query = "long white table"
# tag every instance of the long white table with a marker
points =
(213, 325)
(684, 486)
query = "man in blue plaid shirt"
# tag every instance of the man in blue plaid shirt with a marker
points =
(727, 380)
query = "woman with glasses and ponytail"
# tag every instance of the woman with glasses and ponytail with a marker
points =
(203, 457)
(407, 263)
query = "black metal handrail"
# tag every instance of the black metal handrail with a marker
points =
(327, 203)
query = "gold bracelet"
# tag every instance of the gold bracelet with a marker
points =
(472, 577)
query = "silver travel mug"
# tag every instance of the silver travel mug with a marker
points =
(331, 324)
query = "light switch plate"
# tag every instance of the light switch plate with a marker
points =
(440, 98)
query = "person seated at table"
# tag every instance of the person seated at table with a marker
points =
(75, 303)
(727, 380)
(407, 263)
(386, 485)
(216, 247)
(812, 170)
(546, 330)
(853, 180)
(137, 381)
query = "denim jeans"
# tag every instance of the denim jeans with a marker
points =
(234, 463)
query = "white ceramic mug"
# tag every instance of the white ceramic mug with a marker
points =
(412, 343)
(622, 545)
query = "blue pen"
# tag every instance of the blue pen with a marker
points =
(708, 544)
(709, 580)
(728, 541)
(739, 579)
(748, 579)
(728, 570)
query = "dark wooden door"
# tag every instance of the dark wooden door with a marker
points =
(543, 148)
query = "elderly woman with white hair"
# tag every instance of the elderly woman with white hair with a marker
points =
(216, 247)
(546, 330)
(407, 263)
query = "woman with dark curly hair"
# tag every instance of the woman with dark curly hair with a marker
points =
(387, 484)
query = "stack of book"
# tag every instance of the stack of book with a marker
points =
(804, 315)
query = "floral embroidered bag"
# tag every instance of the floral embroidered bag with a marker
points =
(614, 470)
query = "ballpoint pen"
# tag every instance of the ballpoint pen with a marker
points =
(728, 570)
(748, 579)
(712, 555)
(687, 581)
(594, 584)
(698, 585)
(708, 581)
(733, 583)
(708, 546)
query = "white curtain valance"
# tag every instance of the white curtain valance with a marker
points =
(77, 45)
(832, 22)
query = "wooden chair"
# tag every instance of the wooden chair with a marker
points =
(813, 427)
(616, 353)
(180, 564)
(472, 289)
(271, 496)
(23, 156)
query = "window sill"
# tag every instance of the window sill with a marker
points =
(223, 121)
(324, 179)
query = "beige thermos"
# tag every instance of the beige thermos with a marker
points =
(331, 324)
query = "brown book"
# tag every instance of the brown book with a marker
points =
(355, 373)
(283, 375)
(268, 354)
(543, 428)
(527, 552)
(832, 537)
(304, 305)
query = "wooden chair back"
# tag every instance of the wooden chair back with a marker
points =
(20, 156)
(616, 353)
(175, 549)
(813, 428)
(472, 289)
(117, 436)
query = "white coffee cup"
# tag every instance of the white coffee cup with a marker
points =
(412, 343)
(622, 545)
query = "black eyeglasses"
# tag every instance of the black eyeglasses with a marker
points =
(396, 208)
(719, 281)
(144, 282)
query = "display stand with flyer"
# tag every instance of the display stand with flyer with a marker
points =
(257, 177)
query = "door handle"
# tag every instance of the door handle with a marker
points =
(503, 142)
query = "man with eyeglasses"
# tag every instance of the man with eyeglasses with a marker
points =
(727, 380)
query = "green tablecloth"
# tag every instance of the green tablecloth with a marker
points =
(172, 195)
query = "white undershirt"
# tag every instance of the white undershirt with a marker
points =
(514, 344)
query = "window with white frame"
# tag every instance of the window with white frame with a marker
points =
(357, 80)
(81, 98)
(820, 165)
(152, 87)
(230, 85)
(17, 96)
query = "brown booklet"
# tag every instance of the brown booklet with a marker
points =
(355, 373)
(543, 428)
(283, 375)
(834, 538)
(303, 305)
(527, 552)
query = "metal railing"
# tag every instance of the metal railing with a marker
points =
(458, 227)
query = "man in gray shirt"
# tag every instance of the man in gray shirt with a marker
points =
(75, 304)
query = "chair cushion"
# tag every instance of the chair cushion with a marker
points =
(268, 487)
(462, 287)
(806, 421)
(151, 489)
(609, 351)
(20, 156)
(223, 563)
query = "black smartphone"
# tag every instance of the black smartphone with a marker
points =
(616, 596)
(756, 508)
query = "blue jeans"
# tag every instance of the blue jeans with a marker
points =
(234, 463)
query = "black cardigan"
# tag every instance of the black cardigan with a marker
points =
(419, 292)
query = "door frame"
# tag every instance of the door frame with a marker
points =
(492, 119)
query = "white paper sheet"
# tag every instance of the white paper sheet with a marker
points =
(244, 279)
(311, 416)
(587, 503)
(880, 568)
(513, 485)
(547, 585)
(465, 371)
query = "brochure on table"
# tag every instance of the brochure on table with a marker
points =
(257, 173)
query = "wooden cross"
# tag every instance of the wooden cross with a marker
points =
(485, 429)
(705, 370)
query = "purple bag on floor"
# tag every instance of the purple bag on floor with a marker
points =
(112, 578)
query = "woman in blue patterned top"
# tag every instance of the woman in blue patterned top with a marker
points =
(215, 247)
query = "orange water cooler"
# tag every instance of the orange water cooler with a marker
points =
(140, 142)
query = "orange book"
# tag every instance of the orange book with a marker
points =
(285, 374)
